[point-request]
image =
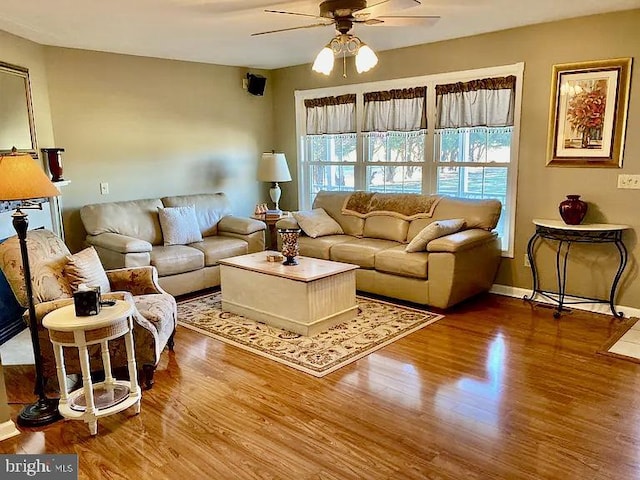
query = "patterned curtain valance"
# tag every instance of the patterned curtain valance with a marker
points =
(399, 110)
(326, 101)
(400, 93)
(499, 83)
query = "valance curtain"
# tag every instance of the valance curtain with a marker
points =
(488, 102)
(400, 110)
(331, 114)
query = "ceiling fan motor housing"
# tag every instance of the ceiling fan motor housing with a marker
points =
(341, 8)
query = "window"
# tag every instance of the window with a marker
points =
(452, 134)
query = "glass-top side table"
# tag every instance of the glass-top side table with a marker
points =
(566, 235)
(93, 401)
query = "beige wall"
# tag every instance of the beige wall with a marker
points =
(18, 51)
(152, 127)
(540, 188)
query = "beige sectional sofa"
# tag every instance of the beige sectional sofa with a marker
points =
(129, 234)
(451, 269)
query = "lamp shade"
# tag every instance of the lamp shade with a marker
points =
(273, 168)
(21, 178)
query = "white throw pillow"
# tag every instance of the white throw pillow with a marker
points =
(434, 230)
(179, 225)
(317, 223)
(85, 267)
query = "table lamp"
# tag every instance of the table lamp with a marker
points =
(22, 179)
(273, 168)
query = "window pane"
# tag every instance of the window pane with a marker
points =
(331, 177)
(331, 148)
(390, 178)
(395, 146)
(474, 145)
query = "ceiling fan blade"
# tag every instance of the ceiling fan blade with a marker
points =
(402, 21)
(293, 13)
(383, 6)
(292, 28)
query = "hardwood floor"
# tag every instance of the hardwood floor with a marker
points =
(495, 390)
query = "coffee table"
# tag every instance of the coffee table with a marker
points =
(305, 298)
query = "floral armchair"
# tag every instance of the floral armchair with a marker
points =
(155, 310)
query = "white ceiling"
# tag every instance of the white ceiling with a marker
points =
(218, 31)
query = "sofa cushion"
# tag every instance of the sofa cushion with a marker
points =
(332, 203)
(137, 219)
(360, 251)
(174, 259)
(434, 230)
(399, 262)
(386, 228)
(216, 248)
(85, 268)
(317, 223)
(210, 208)
(179, 225)
(321, 247)
(476, 213)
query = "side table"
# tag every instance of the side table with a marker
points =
(271, 225)
(93, 401)
(568, 234)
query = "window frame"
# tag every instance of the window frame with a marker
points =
(429, 166)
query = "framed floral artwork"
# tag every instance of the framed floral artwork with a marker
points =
(588, 113)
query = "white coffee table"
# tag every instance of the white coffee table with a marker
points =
(305, 298)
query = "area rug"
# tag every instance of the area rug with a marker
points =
(625, 342)
(377, 324)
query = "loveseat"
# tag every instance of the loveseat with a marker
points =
(129, 234)
(446, 271)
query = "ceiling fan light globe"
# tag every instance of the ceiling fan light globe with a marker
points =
(324, 61)
(366, 59)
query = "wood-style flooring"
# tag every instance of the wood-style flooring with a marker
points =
(495, 390)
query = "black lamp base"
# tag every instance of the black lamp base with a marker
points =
(43, 412)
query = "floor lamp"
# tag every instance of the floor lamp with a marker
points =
(22, 179)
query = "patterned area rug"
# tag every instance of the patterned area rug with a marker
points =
(376, 325)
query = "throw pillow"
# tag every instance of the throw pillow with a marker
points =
(179, 225)
(85, 267)
(434, 230)
(317, 223)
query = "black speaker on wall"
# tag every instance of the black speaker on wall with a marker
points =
(256, 84)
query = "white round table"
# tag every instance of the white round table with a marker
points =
(110, 396)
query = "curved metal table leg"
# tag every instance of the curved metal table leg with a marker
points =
(624, 255)
(532, 263)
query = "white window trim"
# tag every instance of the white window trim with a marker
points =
(430, 81)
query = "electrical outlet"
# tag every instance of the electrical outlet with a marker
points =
(629, 181)
(104, 188)
(526, 261)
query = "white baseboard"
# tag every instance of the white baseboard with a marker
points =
(517, 292)
(8, 430)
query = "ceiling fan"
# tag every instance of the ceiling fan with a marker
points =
(343, 14)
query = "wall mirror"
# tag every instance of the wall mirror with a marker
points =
(16, 114)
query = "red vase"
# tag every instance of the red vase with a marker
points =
(573, 210)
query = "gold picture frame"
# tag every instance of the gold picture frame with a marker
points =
(588, 113)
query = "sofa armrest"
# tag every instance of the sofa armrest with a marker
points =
(119, 243)
(239, 225)
(137, 280)
(460, 241)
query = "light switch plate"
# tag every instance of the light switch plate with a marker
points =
(629, 181)
(104, 188)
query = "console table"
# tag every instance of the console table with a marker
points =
(564, 234)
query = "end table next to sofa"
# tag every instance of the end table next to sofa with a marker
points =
(110, 396)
